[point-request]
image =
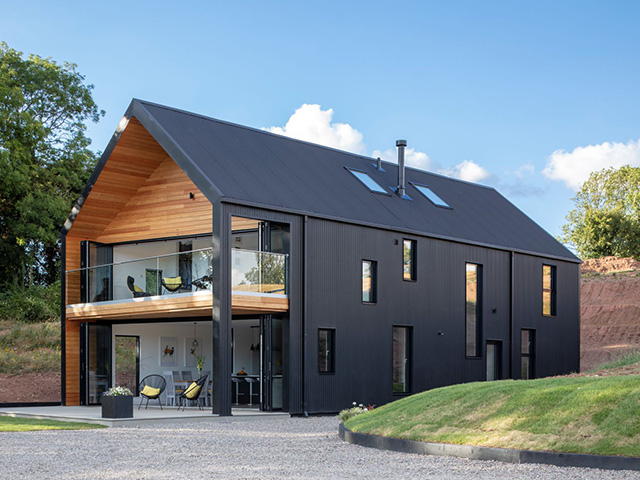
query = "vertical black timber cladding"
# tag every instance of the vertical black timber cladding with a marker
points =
(557, 349)
(434, 305)
(221, 314)
(294, 318)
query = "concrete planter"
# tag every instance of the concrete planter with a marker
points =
(117, 407)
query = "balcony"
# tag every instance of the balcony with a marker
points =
(174, 285)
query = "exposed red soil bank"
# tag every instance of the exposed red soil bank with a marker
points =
(30, 387)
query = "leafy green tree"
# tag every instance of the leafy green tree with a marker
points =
(44, 160)
(606, 217)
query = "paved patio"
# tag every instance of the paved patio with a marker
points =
(93, 414)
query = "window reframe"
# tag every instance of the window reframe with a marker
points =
(477, 354)
(413, 269)
(553, 288)
(382, 190)
(408, 337)
(420, 186)
(374, 281)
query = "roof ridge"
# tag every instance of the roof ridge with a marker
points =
(306, 142)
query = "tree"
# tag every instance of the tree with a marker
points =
(44, 160)
(606, 218)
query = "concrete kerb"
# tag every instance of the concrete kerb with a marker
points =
(488, 453)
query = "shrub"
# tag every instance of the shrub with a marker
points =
(354, 411)
(34, 304)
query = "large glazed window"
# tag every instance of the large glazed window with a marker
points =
(473, 309)
(369, 268)
(401, 359)
(549, 290)
(409, 260)
(326, 350)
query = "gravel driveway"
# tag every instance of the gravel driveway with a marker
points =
(258, 448)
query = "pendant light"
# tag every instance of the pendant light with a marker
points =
(195, 343)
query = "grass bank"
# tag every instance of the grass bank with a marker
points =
(592, 414)
(13, 424)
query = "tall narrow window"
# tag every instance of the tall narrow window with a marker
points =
(494, 360)
(401, 359)
(326, 347)
(409, 260)
(369, 281)
(473, 309)
(549, 290)
(527, 354)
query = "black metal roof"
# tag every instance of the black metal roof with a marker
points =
(237, 163)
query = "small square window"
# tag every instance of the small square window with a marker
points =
(409, 260)
(326, 350)
(369, 281)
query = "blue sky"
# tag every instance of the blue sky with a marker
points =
(528, 97)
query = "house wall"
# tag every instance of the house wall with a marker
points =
(434, 305)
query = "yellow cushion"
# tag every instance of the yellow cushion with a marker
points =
(172, 281)
(192, 391)
(150, 391)
(136, 288)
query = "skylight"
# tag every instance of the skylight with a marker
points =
(367, 181)
(431, 195)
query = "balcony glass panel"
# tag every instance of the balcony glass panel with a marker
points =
(259, 272)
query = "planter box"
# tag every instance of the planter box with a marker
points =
(117, 407)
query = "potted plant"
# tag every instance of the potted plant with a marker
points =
(200, 359)
(117, 402)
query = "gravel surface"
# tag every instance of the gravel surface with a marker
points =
(258, 448)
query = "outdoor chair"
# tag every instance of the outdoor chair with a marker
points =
(136, 290)
(172, 284)
(151, 387)
(192, 393)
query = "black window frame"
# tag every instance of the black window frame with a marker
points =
(530, 353)
(408, 360)
(478, 313)
(331, 341)
(374, 282)
(497, 343)
(553, 274)
(413, 269)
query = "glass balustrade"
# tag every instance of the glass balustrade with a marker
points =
(259, 272)
(179, 273)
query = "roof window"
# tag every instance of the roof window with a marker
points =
(367, 181)
(431, 195)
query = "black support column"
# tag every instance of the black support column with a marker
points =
(221, 372)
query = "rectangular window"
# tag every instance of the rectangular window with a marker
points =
(494, 360)
(431, 195)
(326, 347)
(473, 309)
(409, 260)
(549, 290)
(401, 359)
(369, 281)
(367, 181)
(527, 354)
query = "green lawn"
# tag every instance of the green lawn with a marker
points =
(596, 415)
(13, 424)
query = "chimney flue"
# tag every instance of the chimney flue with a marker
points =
(400, 190)
(379, 164)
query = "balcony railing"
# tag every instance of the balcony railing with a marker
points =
(259, 272)
(176, 273)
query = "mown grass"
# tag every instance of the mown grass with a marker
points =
(14, 424)
(595, 415)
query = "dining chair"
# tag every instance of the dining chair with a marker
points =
(170, 391)
(187, 375)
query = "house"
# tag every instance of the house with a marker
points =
(326, 277)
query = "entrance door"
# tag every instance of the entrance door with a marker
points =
(272, 368)
(494, 360)
(95, 358)
(127, 364)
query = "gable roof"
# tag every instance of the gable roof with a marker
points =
(250, 166)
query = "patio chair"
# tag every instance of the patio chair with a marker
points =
(192, 393)
(172, 284)
(136, 290)
(151, 387)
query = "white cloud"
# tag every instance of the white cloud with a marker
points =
(573, 168)
(412, 157)
(467, 170)
(522, 171)
(312, 124)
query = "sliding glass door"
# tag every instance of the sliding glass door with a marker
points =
(95, 362)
